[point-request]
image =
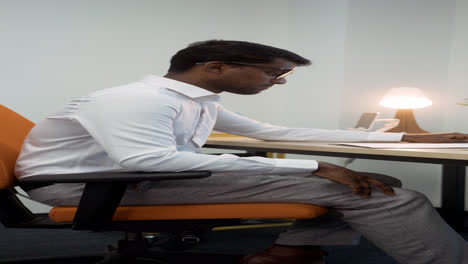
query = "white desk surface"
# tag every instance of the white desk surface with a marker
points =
(236, 141)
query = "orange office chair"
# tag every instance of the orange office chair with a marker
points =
(99, 206)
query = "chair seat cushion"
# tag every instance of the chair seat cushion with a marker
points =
(203, 211)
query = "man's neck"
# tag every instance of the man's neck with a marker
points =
(188, 79)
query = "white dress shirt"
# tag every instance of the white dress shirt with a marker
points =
(158, 124)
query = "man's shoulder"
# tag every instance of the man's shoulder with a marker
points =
(137, 90)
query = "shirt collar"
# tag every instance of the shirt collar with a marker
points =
(186, 89)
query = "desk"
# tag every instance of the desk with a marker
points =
(453, 163)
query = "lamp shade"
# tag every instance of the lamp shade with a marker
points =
(405, 98)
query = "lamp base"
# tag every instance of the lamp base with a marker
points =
(407, 122)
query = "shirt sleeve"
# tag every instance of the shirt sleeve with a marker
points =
(137, 131)
(233, 123)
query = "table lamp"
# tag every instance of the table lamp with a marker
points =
(405, 99)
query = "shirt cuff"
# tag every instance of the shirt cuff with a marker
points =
(381, 136)
(294, 166)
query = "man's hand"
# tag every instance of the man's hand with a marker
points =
(359, 184)
(436, 138)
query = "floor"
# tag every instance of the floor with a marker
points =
(65, 246)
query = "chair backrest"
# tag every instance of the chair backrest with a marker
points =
(13, 131)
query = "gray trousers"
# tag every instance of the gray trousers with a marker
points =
(405, 226)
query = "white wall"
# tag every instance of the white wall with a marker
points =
(54, 50)
(457, 86)
(396, 43)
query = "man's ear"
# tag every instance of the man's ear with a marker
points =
(214, 67)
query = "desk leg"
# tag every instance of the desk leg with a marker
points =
(255, 153)
(453, 195)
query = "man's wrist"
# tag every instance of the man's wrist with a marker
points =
(324, 168)
(410, 138)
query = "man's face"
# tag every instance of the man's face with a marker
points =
(253, 78)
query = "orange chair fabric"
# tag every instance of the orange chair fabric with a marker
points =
(3, 170)
(204, 211)
(14, 129)
(8, 158)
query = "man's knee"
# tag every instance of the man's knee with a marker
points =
(415, 198)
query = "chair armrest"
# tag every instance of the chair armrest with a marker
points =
(121, 176)
(103, 192)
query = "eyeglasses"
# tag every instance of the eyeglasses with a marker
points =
(284, 71)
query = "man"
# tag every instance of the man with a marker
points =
(160, 124)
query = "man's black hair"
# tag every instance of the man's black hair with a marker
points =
(230, 50)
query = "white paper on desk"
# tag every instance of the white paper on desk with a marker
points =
(407, 145)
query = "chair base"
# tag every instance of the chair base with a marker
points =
(136, 248)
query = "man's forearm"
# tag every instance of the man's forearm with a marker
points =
(436, 138)
(412, 137)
